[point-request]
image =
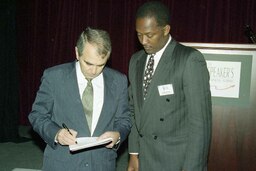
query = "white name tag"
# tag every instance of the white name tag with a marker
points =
(166, 89)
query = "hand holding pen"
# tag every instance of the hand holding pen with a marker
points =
(66, 136)
(64, 126)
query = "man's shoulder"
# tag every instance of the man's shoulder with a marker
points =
(137, 56)
(60, 69)
(184, 48)
(63, 66)
(139, 53)
(114, 76)
(113, 72)
(185, 52)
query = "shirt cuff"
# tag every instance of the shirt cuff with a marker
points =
(134, 153)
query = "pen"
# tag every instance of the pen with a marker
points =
(64, 126)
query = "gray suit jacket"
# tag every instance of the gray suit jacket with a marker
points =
(171, 132)
(58, 101)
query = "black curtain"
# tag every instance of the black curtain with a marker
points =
(8, 74)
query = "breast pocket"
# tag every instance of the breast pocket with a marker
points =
(166, 103)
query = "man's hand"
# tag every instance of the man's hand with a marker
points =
(65, 138)
(133, 163)
(110, 134)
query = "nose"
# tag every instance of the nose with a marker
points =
(94, 70)
(143, 40)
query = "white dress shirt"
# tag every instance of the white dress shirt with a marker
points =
(98, 93)
(158, 54)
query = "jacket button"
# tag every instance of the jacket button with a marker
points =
(168, 100)
(161, 119)
(155, 137)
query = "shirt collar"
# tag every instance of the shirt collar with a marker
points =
(160, 52)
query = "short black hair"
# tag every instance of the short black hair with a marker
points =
(155, 9)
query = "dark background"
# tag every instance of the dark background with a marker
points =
(47, 31)
(37, 34)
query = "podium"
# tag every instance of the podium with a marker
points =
(232, 69)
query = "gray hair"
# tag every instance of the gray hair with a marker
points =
(97, 37)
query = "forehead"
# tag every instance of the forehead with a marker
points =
(146, 24)
(91, 55)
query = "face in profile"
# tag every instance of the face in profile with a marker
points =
(151, 36)
(90, 61)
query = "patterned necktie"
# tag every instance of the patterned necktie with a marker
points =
(148, 75)
(87, 100)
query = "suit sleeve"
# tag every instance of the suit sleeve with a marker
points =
(133, 145)
(122, 120)
(198, 98)
(42, 108)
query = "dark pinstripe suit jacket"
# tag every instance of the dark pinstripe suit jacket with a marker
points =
(171, 132)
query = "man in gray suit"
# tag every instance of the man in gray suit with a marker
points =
(59, 100)
(170, 99)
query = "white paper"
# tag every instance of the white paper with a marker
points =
(86, 142)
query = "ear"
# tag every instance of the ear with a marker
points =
(77, 55)
(167, 29)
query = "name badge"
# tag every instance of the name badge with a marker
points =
(166, 89)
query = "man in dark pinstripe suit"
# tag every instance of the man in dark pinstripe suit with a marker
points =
(172, 122)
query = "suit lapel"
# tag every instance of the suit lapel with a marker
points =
(71, 84)
(105, 116)
(162, 73)
(140, 69)
(72, 92)
(163, 67)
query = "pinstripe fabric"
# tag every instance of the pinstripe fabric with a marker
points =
(171, 132)
(58, 101)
